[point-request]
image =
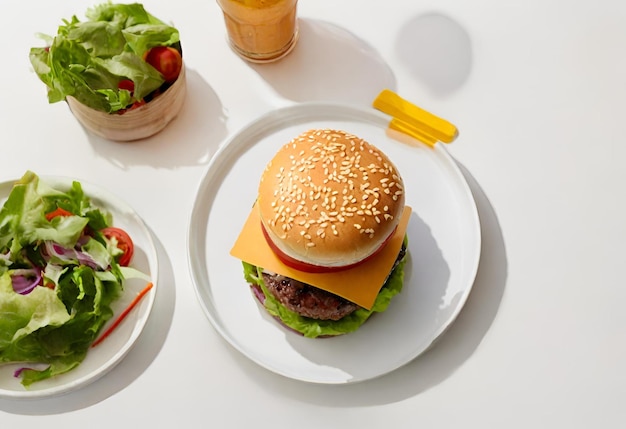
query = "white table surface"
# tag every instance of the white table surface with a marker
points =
(537, 90)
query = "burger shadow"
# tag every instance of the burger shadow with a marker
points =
(131, 367)
(442, 359)
(202, 122)
(328, 63)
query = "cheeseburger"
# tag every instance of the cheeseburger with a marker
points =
(324, 246)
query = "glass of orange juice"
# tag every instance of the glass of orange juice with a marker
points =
(261, 30)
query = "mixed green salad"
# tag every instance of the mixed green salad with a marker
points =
(120, 58)
(62, 265)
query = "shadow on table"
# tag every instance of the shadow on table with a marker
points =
(438, 363)
(328, 64)
(436, 51)
(137, 360)
(202, 112)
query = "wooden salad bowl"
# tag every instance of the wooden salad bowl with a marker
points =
(137, 123)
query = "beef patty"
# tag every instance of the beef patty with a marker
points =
(309, 301)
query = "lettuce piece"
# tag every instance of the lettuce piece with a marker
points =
(87, 59)
(23, 221)
(313, 328)
(21, 315)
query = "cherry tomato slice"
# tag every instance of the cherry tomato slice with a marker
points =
(58, 212)
(124, 243)
(166, 60)
(127, 84)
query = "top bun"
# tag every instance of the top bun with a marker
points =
(329, 198)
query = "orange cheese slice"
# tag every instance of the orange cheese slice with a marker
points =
(360, 284)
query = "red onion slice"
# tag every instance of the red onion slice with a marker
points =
(70, 255)
(25, 280)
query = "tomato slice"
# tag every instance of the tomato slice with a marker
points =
(58, 212)
(166, 60)
(124, 243)
(126, 84)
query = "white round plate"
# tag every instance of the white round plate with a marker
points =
(111, 351)
(444, 250)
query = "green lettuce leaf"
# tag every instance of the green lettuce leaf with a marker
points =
(313, 328)
(21, 315)
(23, 221)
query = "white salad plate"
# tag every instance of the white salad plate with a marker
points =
(444, 251)
(106, 355)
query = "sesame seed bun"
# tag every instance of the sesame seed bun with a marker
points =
(329, 198)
